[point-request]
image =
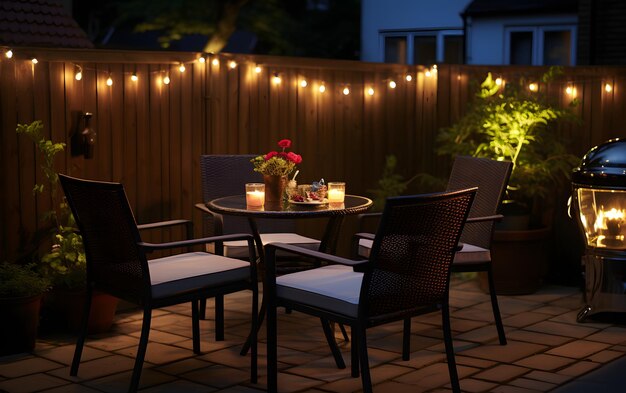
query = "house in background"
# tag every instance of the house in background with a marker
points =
(494, 32)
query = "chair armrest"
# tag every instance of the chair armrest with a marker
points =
(363, 235)
(149, 247)
(364, 218)
(218, 220)
(495, 217)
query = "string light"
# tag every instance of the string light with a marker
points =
(8, 53)
(34, 60)
(408, 77)
(499, 81)
(533, 87)
(257, 69)
(392, 84)
(427, 73)
(202, 59)
(232, 64)
(215, 62)
(109, 81)
(434, 69)
(166, 79)
(346, 91)
(134, 77)
(181, 68)
(322, 88)
(303, 83)
(570, 90)
(78, 72)
(276, 79)
(370, 91)
(608, 88)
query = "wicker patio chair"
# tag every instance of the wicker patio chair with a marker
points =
(407, 274)
(117, 264)
(491, 177)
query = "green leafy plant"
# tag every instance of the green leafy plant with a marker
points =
(21, 281)
(516, 125)
(277, 163)
(64, 262)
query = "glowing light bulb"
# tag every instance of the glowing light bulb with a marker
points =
(346, 91)
(303, 83)
(276, 79)
(427, 73)
(134, 77)
(257, 69)
(408, 77)
(499, 81)
(533, 87)
(232, 64)
(608, 88)
(181, 68)
(215, 62)
(569, 90)
(109, 81)
(166, 79)
(34, 60)
(202, 59)
(79, 73)
(434, 69)
(392, 84)
(9, 54)
(322, 88)
(370, 91)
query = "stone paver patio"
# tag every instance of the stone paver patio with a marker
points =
(547, 348)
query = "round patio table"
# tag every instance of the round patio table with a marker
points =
(236, 206)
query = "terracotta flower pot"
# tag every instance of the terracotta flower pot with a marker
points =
(70, 305)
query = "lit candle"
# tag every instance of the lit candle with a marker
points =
(336, 192)
(255, 198)
(255, 194)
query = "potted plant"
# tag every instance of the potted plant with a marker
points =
(21, 291)
(509, 122)
(62, 258)
(275, 167)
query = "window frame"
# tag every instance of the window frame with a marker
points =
(410, 35)
(538, 41)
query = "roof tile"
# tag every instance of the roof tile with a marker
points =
(39, 23)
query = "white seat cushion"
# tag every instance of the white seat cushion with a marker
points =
(239, 248)
(184, 272)
(334, 288)
(468, 254)
(472, 254)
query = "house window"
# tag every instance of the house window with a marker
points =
(540, 45)
(395, 50)
(521, 48)
(423, 47)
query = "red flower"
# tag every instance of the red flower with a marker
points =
(293, 157)
(270, 155)
(284, 143)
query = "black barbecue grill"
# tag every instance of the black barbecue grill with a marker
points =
(599, 195)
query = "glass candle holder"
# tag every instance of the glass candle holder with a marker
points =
(255, 194)
(336, 192)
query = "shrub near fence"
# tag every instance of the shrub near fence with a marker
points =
(150, 134)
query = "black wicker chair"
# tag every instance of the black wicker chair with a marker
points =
(117, 264)
(407, 274)
(491, 177)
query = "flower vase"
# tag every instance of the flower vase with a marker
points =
(274, 188)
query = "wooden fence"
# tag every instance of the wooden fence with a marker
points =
(150, 134)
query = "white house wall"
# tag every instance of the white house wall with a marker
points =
(485, 40)
(401, 15)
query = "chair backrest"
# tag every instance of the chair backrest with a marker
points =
(225, 175)
(115, 263)
(491, 177)
(413, 250)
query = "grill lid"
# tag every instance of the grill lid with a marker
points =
(603, 166)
